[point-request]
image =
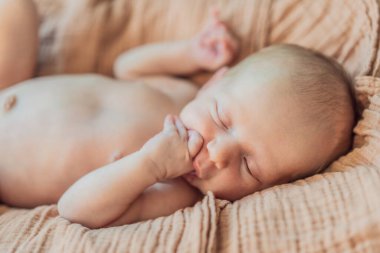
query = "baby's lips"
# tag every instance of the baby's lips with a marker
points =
(194, 143)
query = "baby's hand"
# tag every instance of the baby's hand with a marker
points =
(214, 46)
(171, 151)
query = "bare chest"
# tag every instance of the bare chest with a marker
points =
(53, 134)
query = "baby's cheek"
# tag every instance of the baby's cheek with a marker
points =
(238, 186)
(221, 185)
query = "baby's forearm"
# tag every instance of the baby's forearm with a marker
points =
(103, 195)
(169, 58)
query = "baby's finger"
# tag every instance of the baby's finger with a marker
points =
(180, 128)
(195, 143)
(223, 54)
(232, 43)
(169, 124)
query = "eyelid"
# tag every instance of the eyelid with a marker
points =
(250, 171)
(246, 165)
(224, 125)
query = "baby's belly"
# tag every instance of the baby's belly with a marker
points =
(52, 132)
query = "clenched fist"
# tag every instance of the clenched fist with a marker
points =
(171, 151)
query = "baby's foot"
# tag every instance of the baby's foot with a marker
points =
(214, 46)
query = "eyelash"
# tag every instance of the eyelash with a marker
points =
(246, 165)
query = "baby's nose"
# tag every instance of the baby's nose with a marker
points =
(194, 143)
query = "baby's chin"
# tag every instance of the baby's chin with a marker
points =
(192, 179)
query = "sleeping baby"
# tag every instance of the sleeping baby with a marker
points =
(86, 141)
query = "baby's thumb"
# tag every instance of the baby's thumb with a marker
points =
(194, 143)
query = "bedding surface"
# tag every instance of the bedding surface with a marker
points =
(336, 211)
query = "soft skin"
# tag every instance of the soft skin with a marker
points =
(56, 130)
(261, 125)
(60, 128)
(252, 138)
(86, 141)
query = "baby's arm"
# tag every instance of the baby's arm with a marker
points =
(122, 192)
(210, 49)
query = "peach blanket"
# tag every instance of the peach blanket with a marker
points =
(337, 211)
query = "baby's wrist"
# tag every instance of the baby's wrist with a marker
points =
(152, 167)
(191, 52)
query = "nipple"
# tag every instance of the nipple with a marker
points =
(116, 155)
(9, 103)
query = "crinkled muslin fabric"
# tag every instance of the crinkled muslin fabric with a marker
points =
(336, 211)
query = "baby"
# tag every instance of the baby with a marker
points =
(281, 114)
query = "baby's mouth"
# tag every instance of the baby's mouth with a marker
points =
(194, 173)
(191, 176)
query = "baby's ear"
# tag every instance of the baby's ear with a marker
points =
(215, 78)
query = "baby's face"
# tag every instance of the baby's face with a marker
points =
(250, 137)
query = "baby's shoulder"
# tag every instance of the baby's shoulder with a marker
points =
(179, 90)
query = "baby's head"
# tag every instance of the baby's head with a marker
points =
(282, 114)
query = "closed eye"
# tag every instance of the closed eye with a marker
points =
(215, 117)
(219, 118)
(248, 169)
(247, 166)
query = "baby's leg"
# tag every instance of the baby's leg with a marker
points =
(18, 41)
